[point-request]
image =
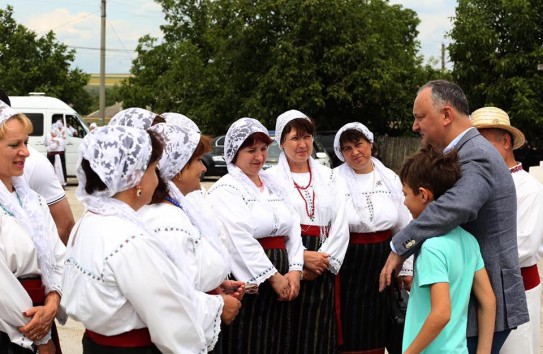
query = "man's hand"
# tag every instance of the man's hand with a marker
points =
(394, 263)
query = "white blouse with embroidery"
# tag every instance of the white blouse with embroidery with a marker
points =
(245, 220)
(201, 261)
(117, 279)
(334, 217)
(18, 259)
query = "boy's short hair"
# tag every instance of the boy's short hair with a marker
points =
(432, 169)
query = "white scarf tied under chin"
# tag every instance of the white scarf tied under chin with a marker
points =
(119, 156)
(180, 142)
(359, 200)
(31, 216)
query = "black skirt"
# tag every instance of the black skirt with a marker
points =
(263, 325)
(363, 308)
(313, 312)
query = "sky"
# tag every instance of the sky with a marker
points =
(76, 23)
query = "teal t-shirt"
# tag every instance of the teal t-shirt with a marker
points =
(452, 258)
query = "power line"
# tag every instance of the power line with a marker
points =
(107, 49)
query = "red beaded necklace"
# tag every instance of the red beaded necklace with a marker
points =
(299, 189)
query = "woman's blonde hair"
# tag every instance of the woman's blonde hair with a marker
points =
(21, 117)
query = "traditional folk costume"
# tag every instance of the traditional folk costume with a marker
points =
(375, 211)
(185, 226)
(324, 229)
(31, 259)
(262, 237)
(118, 281)
(525, 339)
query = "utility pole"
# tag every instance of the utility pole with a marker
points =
(103, 65)
(442, 57)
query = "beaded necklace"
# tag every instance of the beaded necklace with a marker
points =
(516, 168)
(9, 211)
(174, 202)
(299, 189)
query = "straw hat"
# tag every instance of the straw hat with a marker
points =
(492, 117)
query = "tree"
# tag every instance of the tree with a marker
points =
(29, 63)
(497, 46)
(338, 61)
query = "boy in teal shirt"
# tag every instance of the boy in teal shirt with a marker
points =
(447, 268)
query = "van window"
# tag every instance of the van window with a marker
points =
(56, 117)
(75, 126)
(37, 123)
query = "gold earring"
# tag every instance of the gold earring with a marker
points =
(138, 192)
(178, 177)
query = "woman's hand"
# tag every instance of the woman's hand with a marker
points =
(42, 317)
(232, 287)
(281, 286)
(309, 275)
(230, 309)
(293, 278)
(316, 262)
(47, 348)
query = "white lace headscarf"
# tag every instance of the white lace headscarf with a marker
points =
(181, 120)
(119, 156)
(361, 203)
(25, 207)
(324, 202)
(238, 132)
(180, 142)
(134, 117)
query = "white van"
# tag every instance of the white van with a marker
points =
(44, 111)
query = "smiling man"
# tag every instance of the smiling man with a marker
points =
(483, 202)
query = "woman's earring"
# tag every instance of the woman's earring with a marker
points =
(178, 177)
(138, 192)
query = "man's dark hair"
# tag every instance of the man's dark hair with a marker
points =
(446, 92)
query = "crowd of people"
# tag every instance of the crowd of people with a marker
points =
(298, 258)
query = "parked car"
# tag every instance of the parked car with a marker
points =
(319, 154)
(214, 160)
(326, 137)
(216, 166)
(43, 111)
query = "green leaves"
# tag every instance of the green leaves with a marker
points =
(496, 49)
(338, 61)
(30, 63)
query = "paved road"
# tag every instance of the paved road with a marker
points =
(72, 332)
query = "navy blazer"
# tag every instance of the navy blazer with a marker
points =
(483, 202)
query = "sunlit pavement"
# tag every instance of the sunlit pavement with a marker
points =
(72, 332)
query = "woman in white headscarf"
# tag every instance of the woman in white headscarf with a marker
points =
(262, 236)
(375, 211)
(119, 283)
(185, 225)
(310, 190)
(31, 253)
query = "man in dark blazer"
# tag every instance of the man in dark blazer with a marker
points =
(483, 202)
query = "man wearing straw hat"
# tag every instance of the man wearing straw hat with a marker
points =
(482, 201)
(494, 124)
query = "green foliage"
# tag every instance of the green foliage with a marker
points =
(497, 46)
(29, 63)
(337, 61)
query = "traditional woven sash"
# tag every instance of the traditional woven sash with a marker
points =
(272, 242)
(131, 339)
(370, 237)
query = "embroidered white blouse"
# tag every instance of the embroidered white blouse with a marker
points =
(117, 279)
(18, 259)
(334, 216)
(245, 220)
(201, 261)
(529, 218)
(384, 213)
